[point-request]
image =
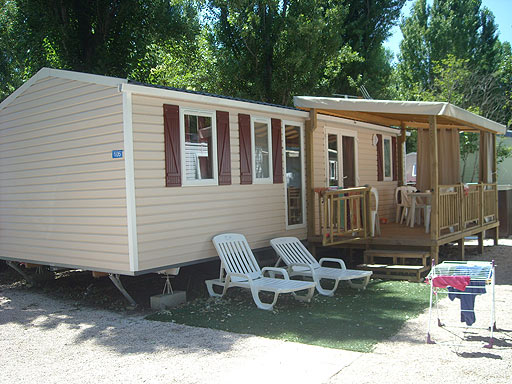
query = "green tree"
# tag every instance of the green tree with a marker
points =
(461, 31)
(367, 27)
(451, 52)
(11, 72)
(108, 37)
(271, 49)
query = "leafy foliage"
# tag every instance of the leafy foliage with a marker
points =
(271, 50)
(451, 52)
(108, 37)
(265, 49)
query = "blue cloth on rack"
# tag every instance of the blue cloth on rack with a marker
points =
(467, 300)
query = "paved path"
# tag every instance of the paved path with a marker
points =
(43, 340)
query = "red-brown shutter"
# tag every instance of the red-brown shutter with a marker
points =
(223, 148)
(393, 153)
(277, 151)
(172, 145)
(244, 129)
(380, 166)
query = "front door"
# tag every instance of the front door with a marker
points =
(349, 163)
(341, 159)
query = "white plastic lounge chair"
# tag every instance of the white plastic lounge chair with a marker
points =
(239, 268)
(301, 263)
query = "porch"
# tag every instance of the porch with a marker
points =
(343, 217)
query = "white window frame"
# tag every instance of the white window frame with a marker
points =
(340, 133)
(202, 113)
(284, 123)
(384, 138)
(262, 180)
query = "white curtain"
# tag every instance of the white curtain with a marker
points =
(486, 157)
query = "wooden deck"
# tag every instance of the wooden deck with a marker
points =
(400, 235)
(391, 234)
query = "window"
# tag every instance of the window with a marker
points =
(261, 150)
(332, 150)
(199, 143)
(387, 158)
(294, 165)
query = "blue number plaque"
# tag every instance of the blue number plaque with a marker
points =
(117, 154)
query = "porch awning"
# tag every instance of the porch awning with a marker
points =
(414, 114)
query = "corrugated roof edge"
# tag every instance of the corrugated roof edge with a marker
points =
(212, 95)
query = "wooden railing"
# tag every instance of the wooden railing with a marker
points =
(464, 207)
(343, 214)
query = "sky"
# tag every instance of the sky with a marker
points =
(501, 9)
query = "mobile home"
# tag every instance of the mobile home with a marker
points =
(113, 176)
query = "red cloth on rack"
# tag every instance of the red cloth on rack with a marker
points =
(457, 282)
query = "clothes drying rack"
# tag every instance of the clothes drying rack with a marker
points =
(478, 271)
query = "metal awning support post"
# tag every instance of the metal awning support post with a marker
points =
(14, 266)
(495, 181)
(311, 126)
(401, 155)
(117, 282)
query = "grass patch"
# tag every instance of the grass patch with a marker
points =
(352, 320)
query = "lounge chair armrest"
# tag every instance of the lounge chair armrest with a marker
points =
(329, 259)
(281, 271)
(242, 275)
(301, 265)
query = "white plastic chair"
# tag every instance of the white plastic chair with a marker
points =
(301, 263)
(374, 214)
(239, 268)
(403, 202)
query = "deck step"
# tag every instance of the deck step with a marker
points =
(390, 253)
(375, 256)
(396, 271)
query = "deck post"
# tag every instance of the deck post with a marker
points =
(401, 157)
(434, 183)
(434, 253)
(311, 125)
(481, 243)
(461, 249)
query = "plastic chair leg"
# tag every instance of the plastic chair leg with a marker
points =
(259, 303)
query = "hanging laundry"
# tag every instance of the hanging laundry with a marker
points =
(467, 299)
(457, 282)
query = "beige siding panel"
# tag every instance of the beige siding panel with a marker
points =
(101, 260)
(97, 125)
(62, 196)
(175, 225)
(95, 185)
(43, 88)
(82, 111)
(50, 221)
(92, 160)
(83, 231)
(85, 152)
(60, 101)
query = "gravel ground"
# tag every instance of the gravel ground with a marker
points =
(44, 340)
